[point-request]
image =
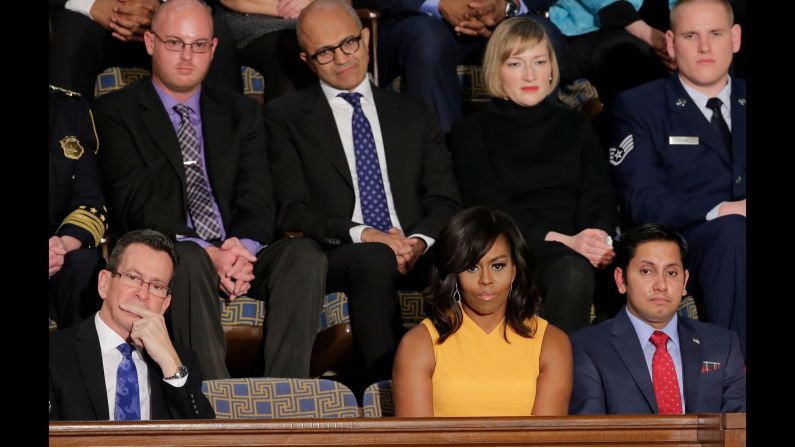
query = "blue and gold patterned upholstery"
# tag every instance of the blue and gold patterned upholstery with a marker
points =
(115, 78)
(266, 397)
(243, 311)
(377, 401)
(687, 308)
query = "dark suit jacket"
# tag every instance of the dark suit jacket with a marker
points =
(611, 376)
(77, 204)
(675, 184)
(143, 171)
(312, 180)
(77, 381)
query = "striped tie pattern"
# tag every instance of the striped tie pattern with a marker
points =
(199, 199)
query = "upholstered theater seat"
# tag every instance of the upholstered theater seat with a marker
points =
(266, 397)
(377, 401)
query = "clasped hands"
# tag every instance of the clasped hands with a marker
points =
(235, 266)
(407, 250)
(473, 17)
(127, 20)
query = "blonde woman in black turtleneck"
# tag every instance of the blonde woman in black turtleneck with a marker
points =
(543, 165)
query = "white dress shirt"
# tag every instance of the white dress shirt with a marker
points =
(343, 117)
(112, 357)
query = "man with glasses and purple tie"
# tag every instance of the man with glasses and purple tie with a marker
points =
(189, 159)
(364, 173)
(121, 364)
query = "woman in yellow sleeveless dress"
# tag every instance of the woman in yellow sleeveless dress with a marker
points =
(483, 351)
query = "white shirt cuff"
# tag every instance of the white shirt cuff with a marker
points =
(429, 241)
(177, 383)
(81, 6)
(713, 213)
(356, 233)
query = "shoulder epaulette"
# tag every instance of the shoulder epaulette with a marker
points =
(64, 91)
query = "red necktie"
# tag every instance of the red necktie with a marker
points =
(663, 376)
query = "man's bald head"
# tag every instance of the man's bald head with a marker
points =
(179, 7)
(313, 14)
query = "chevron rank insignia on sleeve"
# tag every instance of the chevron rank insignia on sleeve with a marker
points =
(618, 154)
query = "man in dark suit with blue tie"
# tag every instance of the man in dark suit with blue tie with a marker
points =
(648, 359)
(678, 154)
(362, 172)
(121, 364)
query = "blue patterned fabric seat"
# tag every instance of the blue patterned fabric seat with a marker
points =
(377, 401)
(265, 397)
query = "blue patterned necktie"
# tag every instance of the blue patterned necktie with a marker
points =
(719, 124)
(199, 200)
(128, 405)
(375, 211)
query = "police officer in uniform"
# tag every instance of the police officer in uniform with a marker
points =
(679, 155)
(77, 209)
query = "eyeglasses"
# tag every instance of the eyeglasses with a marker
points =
(348, 46)
(176, 44)
(132, 280)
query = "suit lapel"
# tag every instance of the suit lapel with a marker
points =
(324, 129)
(390, 118)
(690, 350)
(158, 124)
(686, 115)
(89, 357)
(625, 341)
(738, 125)
(216, 127)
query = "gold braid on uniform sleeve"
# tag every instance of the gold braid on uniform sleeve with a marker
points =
(91, 219)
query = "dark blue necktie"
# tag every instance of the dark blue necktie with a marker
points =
(128, 405)
(719, 124)
(375, 211)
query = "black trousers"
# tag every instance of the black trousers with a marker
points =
(73, 289)
(367, 273)
(289, 277)
(82, 49)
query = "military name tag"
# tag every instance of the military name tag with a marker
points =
(683, 140)
(71, 148)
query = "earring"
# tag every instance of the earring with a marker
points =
(457, 295)
(550, 78)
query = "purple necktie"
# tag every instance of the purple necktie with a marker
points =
(199, 199)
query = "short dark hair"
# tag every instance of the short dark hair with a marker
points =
(627, 243)
(153, 239)
(468, 236)
(725, 3)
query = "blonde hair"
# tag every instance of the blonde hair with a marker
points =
(513, 36)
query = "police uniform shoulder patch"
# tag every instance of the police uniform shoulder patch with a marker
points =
(618, 154)
(64, 91)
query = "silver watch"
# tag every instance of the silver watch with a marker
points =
(182, 372)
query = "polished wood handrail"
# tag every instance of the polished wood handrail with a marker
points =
(690, 430)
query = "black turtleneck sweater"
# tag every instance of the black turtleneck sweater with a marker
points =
(542, 164)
